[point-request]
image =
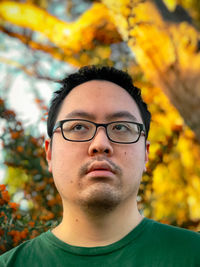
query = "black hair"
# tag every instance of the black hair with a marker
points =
(93, 72)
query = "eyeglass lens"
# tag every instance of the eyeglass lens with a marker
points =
(78, 130)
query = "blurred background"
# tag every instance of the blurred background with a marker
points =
(42, 41)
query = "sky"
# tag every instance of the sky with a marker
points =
(22, 102)
(20, 90)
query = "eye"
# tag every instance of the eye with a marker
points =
(79, 127)
(121, 127)
(76, 127)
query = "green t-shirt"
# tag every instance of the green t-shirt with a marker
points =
(150, 244)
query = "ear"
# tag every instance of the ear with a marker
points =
(48, 151)
(147, 146)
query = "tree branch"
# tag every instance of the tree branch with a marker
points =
(161, 48)
(70, 37)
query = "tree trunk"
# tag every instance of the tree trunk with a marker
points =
(168, 52)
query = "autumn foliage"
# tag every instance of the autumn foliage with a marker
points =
(27, 173)
(162, 55)
(16, 227)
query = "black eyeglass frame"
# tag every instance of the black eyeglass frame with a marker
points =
(105, 125)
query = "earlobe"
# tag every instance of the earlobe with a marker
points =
(147, 146)
(147, 151)
(48, 153)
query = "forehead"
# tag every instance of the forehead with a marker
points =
(99, 98)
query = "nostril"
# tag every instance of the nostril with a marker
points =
(95, 150)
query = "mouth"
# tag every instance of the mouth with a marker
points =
(100, 170)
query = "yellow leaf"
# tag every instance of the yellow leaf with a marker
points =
(171, 4)
(15, 178)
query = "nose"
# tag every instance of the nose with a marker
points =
(100, 144)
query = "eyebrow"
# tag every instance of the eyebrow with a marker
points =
(89, 116)
(80, 114)
(121, 114)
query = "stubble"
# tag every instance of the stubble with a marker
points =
(102, 195)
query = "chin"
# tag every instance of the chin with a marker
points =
(99, 200)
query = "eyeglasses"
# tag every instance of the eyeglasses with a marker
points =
(122, 132)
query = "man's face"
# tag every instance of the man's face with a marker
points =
(97, 174)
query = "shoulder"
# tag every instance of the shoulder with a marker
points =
(22, 251)
(174, 234)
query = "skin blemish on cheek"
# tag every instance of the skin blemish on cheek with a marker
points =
(125, 153)
(71, 182)
(76, 220)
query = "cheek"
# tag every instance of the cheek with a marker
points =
(133, 164)
(64, 170)
(66, 159)
(132, 158)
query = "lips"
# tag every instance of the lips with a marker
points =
(100, 166)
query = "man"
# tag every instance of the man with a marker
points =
(97, 151)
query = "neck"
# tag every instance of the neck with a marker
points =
(81, 229)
